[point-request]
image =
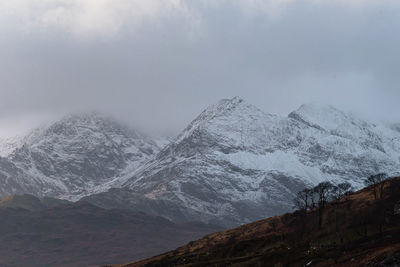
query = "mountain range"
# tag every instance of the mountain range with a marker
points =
(236, 164)
(73, 156)
(231, 165)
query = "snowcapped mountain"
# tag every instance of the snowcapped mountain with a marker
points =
(9, 145)
(235, 163)
(73, 157)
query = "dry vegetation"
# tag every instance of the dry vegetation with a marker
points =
(356, 230)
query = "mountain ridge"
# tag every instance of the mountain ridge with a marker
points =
(235, 163)
(73, 156)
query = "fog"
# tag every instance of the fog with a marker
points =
(157, 63)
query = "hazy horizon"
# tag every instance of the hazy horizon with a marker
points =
(25, 125)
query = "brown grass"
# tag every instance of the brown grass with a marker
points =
(355, 230)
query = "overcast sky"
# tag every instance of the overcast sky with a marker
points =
(158, 63)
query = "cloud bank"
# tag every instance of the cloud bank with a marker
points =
(158, 63)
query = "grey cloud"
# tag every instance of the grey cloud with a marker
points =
(163, 71)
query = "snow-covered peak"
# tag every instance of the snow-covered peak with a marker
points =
(235, 163)
(76, 124)
(324, 117)
(336, 122)
(229, 108)
(228, 118)
(329, 118)
(85, 132)
(78, 153)
(9, 145)
(224, 108)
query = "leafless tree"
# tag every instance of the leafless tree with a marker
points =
(377, 182)
(324, 193)
(341, 190)
(302, 201)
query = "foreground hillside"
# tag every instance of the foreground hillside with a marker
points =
(355, 230)
(48, 232)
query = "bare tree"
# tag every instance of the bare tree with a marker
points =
(343, 189)
(303, 199)
(323, 191)
(371, 181)
(313, 198)
(377, 182)
(382, 177)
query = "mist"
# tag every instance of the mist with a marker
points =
(156, 64)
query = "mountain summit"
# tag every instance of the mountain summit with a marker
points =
(73, 156)
(235, 163)
(231, 165)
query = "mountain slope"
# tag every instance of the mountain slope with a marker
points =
(9, 145)
(232, 165)
(235, 164)
(81, 234)
(356, 231)
(30, 202)
(73, 157)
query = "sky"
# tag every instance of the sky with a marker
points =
(157, 64)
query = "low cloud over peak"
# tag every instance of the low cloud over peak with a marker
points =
(158, 63)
